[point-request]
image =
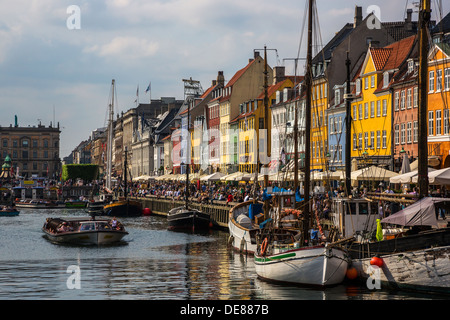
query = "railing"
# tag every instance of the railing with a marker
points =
(218, 211)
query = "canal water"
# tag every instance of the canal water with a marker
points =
(151, 263)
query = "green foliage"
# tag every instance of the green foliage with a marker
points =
(87, 172)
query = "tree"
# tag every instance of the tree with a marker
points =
(86, 172)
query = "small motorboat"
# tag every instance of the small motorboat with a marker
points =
(84, 230)
(8, 211)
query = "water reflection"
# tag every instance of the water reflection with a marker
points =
(153, 264)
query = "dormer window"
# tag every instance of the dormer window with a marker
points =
(337, 97)
(410, 66)
(358, 86)
(385, 79)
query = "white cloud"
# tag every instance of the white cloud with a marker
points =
(125, 47)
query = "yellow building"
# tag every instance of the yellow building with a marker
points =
(372, 107)
(251, 120)
(246, 84)
(319, 136)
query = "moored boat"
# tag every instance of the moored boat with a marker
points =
(322, 265)
(243, 226)
(8, 211)
(123, 208)
(84, 231)
(39, 204)
(183, 218)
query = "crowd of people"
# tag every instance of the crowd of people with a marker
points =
(198, 192)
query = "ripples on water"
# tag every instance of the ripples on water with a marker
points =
(151, 263)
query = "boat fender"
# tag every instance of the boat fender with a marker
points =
(264, 246)
(243, 244)
(376, 261)
(230, 240)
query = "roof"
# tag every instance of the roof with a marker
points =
(239, 73)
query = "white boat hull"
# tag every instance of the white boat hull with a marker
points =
(419, 270)
(240, 238)
(315, 266)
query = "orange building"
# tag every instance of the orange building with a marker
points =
(438, 109)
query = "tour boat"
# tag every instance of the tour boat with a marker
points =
(83, 231)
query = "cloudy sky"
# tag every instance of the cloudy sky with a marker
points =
(49, 71)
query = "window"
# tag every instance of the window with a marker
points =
(447, 79)
(5, 143)
(416, 131)
(431, 81)
(439, 80)
(366, 110)
(410, 66)
(446, 131)
(402, 100)
(372, 109)
(396, 100)
(366, 140)
(384, 107)
(372, 81)
(402, 133)
(25, 143)
(438, 122)
(378, 139)
(409, 99)
(385, 79)
(358, 86)
(337, 96)
(354, 142)
(384, 139)
(372, 139)
(378, 108)
(416, 97)
(409, 132)
(430, 123)
(360, 111)
(366, 83)
(397, 134)
(360, 141)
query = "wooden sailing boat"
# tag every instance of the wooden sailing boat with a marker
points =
(301, 261)
(123, 206)
(185, 218)
(418, 258)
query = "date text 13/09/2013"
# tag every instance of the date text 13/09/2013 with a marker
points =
(235, 309)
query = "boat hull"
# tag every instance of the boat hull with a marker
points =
(425, 270)
(9, 213)
(242, 238)
(126, 208)
(313, 266)
(181, 218)
(88, 237)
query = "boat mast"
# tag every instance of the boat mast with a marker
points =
(348, 131)
(110, 138)
(125, 164)
(266, 126)
(188, 150)
(308, 84)
(424, 20)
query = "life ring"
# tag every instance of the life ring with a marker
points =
(264, 246)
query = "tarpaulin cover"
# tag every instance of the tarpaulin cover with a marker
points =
(421, 213)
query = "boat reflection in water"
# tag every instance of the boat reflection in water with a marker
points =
(84, 231)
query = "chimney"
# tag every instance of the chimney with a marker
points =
(278, 74)
(408, 20)
(214, 82)
(220, 78)
(358, 16)
(256, 54)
